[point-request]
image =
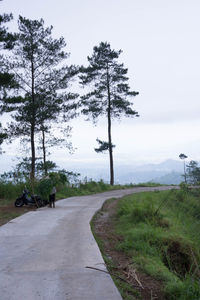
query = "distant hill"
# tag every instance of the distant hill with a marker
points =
(167, 172)
(170, 178)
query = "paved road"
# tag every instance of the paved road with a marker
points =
(43, 254)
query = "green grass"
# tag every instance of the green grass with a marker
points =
(90, 187)
(161, 233)
(9, 191)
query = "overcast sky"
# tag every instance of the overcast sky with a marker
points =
(161, 47)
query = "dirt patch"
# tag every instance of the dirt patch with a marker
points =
(122, 264)
(177, 259)
(9, 212)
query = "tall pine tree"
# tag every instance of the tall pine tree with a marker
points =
(37, 66)
(110, 91)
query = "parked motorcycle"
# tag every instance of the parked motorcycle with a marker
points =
(25, 199)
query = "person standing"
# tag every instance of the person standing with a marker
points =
(52, 197)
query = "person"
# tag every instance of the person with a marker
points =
(52, 197)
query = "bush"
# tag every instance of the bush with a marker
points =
(43, 188)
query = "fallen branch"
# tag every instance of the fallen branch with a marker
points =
(132, 273)
(136, 278)
(110, 273)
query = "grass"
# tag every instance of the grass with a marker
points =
(9, 191)
(161, 233)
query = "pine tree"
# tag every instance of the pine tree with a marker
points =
(6, 79)
(110, 92)
(37, 66)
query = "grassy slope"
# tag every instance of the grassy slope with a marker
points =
(161, 233)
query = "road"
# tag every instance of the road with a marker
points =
(43, 253)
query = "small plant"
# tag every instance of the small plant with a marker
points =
(184, 187)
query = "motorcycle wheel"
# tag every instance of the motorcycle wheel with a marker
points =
(39, 201)
(19, 202)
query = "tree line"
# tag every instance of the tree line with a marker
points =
(35, 90)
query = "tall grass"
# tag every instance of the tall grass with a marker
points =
(161, 233)
(90, 187)
(10, 191)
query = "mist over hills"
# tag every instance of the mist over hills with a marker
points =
(167, 172)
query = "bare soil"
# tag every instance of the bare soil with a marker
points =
(123, 265)
(9, 212)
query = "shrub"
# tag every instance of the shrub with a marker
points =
(44, 187)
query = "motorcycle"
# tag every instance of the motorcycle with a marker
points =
(26, 200)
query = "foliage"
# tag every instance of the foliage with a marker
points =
(182, 156)
(44, 187)
(22, 170)
(193, 172)
(7, 39)
(103, 146)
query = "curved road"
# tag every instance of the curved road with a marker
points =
(43, 253)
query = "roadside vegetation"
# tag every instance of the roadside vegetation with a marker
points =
(158, 234)
(68, 184)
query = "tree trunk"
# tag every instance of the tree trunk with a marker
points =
(32, 175)
(44, 152)
(109, 131)
(110, 151)
(185, 174)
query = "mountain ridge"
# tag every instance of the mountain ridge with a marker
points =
(159, 172)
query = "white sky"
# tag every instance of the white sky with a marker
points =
(161, 48)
